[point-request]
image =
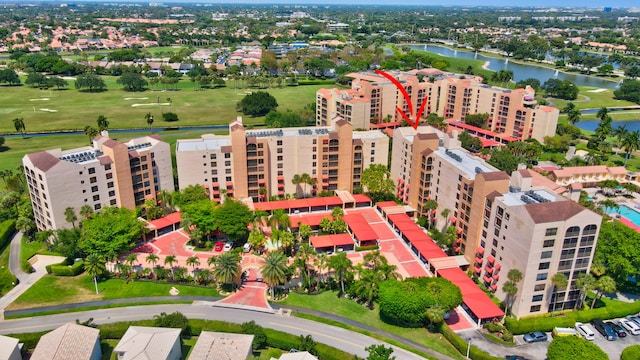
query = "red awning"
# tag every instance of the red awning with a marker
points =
(280, 186)
(489, 269)
(215, 184)
(229, 191)
(496, 277)
(229, 184)
(479, 259)
(280, 178)
(494, 287)
(324, 184)
(325, 177)
(360, 227)
(262, 181)
(331, 240)
(456, 248)
(476, 300)
(216, 192)
(280, 192)
(400, 180)
(498, 267)
(458, 240)
(477, 269)
(459, 231)
(491, 259)
(453, 219)
(487, 279)
(480, 250)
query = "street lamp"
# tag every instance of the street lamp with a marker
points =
(468, 348)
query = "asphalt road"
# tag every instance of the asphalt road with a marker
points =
(339, 338)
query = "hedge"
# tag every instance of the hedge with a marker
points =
(461, 344)
(68, 270)
(631, 353)
(613, 309)
(367, 248)
(7, 228)
(63, 263)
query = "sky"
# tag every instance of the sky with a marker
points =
(531, 3)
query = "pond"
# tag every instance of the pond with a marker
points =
(520, 71)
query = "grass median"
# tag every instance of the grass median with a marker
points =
(329, 302)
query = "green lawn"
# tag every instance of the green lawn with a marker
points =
(52, 290)
(75, 109)
(28, 249)
(329, 302)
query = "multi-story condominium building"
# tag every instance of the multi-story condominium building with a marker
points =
(373, 99)
(589, 175)
(109, 173)
(262, 163)
(541, 234)
(501, 220)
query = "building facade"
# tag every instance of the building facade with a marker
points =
(501, 221)
(373, 99)
(109, 173)
(262, 163)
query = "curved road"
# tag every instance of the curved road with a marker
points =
(339, 338)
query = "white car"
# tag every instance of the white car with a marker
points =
(227, 247)
(585, 331)
(630, 326)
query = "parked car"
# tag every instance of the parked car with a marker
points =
(616, 329)
(227, 247)
(604, 329)
(218, 247)
(630, 326)
(560, 331)
(247, 247)
(535, 336)
(634, 318)
(585, 331)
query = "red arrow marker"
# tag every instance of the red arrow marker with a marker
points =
(407, 99)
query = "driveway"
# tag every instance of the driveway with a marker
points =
(26, 280)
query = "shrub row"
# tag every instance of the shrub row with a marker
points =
(64, 263)
(68, 270)
(461, 344)
(7, 228)
(613, 309)
(367, 248)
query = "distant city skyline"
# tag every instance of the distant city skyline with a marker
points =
(497, 3)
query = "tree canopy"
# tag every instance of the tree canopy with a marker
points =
(618, 250)
(629, 90)
(574, 348)
(92, 82)
(377, 181)
(232, 218)
(132, 81)
(405, 303)
(257, 104)
(110, 232)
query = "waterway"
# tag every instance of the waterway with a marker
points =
(520, 71)
(591, 125)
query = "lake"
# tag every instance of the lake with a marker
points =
(520, 71)
(591, 125)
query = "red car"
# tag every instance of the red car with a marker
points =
(219, 245)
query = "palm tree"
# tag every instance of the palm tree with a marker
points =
(368, 285)
(511, 290)
(630, 143)
(279, 219)
(18, 123)
(620, 132)
(605, 284)
(102, 122)
(94, 266)
(226, 267)
(445, 214)
(204, 276)
(602, 113)
(585, 283)
(341, 265)
(86, 211)
(193, 261)
(559, 281)
(152, 259)
(70, 216)
(180, 273)
(170, 259)
(304, 255)
(131, 259)
(274, 270)
(320, 263)
(435, 315)
(429, 206)
(149, 119)
(91, 132)
(287, 239)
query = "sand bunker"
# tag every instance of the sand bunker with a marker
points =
(69, 78)
(140, 98)
(41, 99)
(48, 110)
(150, 104)
(597, 90)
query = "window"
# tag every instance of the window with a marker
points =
(227, 163)
(570, 242)
(94, 188)
(541, 276)
(110, 184)
(228, 178)
(279, 142)
(97, 206)
(113, 202)
(112, 193)
(213, 156)
(536, 298)
(96, 197)
(144, 158)
(546, 254)
(93, 179)
(227, 156)
(535, 308)
(539, 287)
(544, 266)
(548, 243)
(109, 175)
(92, 170)
(107, 167)
(551, 232)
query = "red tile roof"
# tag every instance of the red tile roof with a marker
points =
(331, 240)
(163, 222)
(475, 299)
(360, 227)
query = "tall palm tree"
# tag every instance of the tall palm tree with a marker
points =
(321, 263)
(620, 133)
(170, 260)
(305, 253)
(94, 266)
(18, 123)
(511, 290)
(226, 267)
(274, 270)
(86, 211)
(131, 259)
(70, 216)
(584, 283)
(193, 261)
(149, 119)
(102, 122)
(630, 143)
(435, 315)
(341, 265)
(152, 259)
(559, 281)
(605, 284)
(603, 112)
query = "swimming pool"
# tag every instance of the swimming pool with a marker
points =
(627, 212)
